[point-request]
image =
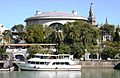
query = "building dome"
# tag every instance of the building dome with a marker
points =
(52, 17)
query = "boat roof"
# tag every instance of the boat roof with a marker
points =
(52, 55)
(48, 60)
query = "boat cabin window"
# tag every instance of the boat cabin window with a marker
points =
(40, 63)
(45, 57)
(32, 62)
(67, 63)
(61, 63)
(37, 62)
(47, 63)
(28, 62)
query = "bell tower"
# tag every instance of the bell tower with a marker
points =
(91, 18)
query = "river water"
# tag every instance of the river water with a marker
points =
(84, 73)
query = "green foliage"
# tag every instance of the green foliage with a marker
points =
(64, 49)
(111, 49)
(80, 32)
(107, 30)
(47, 31)
(35, 49)
(35, 34)
(7, 35)
(93, 49)
(56, 37)
(19, 32)
(117, 36)
(18, 28)
(2, 51)
(77, 50)
(73, 38)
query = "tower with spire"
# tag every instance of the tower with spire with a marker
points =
(91, 18)
(106, 21)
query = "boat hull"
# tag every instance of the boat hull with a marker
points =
(49, 69)
(7, 69)
(29, 67)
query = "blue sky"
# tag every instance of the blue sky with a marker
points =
(14, 12)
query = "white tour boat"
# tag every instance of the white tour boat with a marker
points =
(50, 62)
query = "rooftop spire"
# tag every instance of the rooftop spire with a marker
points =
(91, 10)
(91, 18)
(106, 21)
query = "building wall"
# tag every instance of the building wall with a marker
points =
(48, 22)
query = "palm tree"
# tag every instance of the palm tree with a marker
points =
(7, 36)
(75, 32)
(47, 31)
(19, 32)
(72, 32)
(81, 32)
(18, 28)
(107, 31)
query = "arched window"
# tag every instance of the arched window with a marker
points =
(56, 26)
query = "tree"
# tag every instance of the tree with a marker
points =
(107, 31)
(18, 32)
(7, 35)
(2, 51)
(72, 32)
(47, 31)
(110, 50)
(117, 36)
(56, 37)
(77, 50)
(88, 34)
(35, 49)
(64, 49)
(34, 34)
(18, 28)
(94, 51)
(80, 32)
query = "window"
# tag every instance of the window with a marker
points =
(32, 62)
(41, 63)
(53, 63)
(57, 63)
(28, 62)
(37, 62)
(67, 63)
(47, 63)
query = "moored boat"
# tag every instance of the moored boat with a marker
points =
(50, 62)
(7, 69)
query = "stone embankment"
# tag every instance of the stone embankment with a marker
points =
(98, 64)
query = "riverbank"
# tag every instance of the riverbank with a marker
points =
(98, 64)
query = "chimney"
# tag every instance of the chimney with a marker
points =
(38, 12)
(74, 12)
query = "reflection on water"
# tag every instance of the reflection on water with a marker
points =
(41, 74)
(84, 73)
(100, 73)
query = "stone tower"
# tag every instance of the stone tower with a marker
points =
(91, 18)
(106, 21)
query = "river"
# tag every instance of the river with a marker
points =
(84, 73)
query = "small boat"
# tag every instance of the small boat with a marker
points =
(47, 62)
(7, 69)
(117, 66)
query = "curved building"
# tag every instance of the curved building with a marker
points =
(49, 18)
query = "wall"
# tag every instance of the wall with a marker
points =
(98, 64)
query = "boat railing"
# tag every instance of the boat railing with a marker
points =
(48, 56)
